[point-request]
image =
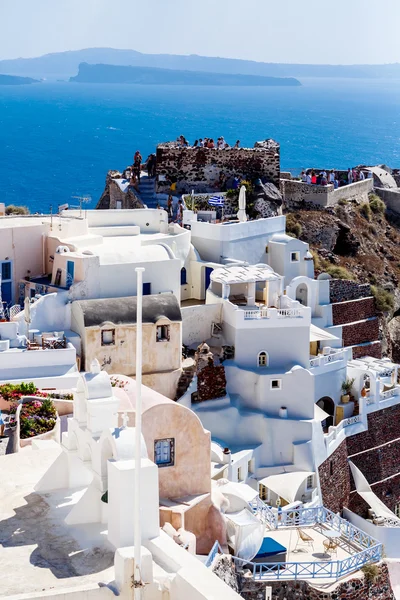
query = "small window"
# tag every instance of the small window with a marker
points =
(6, 271)
(397, 511)
(250, 466)
(263, 492)
(108, 337)
(164, 452)
(295, 257)
(163, 333)
(276, 384)
(263, 359)
(183, 276)
(57, 280)
(240, 474)
(310, 482)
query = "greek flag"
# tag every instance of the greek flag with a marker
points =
(216, 201)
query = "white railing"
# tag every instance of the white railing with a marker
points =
(390, 393)
(335, 430)
(324, 359)
(267, 313)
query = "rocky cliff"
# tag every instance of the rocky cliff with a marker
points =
(360, 242)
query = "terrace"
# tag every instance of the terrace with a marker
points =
(315, 544)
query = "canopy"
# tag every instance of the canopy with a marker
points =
(319, 335)
(242, 490)
(366, 493)
(286, 485)
(245, 532)
(319, 414)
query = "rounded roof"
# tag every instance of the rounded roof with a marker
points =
(124, 440)
(243, 274)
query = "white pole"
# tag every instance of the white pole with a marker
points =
(138, 432)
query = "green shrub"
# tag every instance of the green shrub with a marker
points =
(365, 211)
(377, 205)
(337, 272)
(342, 202)
(293, 227)
(371, 573)
(384, 300)
(16, 210)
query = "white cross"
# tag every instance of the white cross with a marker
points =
(125, 420)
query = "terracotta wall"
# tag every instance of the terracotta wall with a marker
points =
(334, 476)
(358, 333)
(353, 310)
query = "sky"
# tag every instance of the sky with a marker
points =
(301, 31)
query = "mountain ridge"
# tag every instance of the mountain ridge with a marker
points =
(66, 64)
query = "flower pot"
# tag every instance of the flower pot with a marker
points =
(345, 398)
(363, 392)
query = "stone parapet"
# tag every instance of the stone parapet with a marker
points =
(343, 290)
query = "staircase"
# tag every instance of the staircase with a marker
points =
(147, 191)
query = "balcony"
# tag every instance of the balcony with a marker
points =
(325, 359)
(335, 548)
(269, 313)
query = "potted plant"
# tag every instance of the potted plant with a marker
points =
(346, 388)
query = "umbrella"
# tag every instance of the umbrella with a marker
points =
(27, 311)
(242, 205)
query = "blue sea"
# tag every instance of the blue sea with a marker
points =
(58, 140)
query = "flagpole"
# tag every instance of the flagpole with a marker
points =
(137, 579)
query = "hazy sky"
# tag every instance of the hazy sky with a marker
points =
(308, 31)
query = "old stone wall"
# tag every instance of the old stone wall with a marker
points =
(353, 310)
(199, 169)
(296, 193)
(113, 194)
(391, 198)
(211, 383)
(383, 427)
(342, 290)
(334, 475)
(373, 349)
(379, 463)
(357, 588)
(358, 333)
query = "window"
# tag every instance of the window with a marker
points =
(183, 276)
(146, 289)
(263, 359)
(276, 384)
(240, 474)
(164, 452)
(162, 333)
(6, 274)
(108, 337)
(295, 256)
(57, 280)
(263, 492)
(250, 466)
(310, 482)
(397, 511)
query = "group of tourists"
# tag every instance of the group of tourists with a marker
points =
(331, 177)
(179, 210)
(134, 171)
(220, 144)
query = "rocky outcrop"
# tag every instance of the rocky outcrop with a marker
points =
(114, 197)
(267, 200)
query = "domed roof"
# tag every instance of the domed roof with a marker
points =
(124, 439)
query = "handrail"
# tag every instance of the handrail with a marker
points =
(324, 359)
(267, 313)
(216, 549)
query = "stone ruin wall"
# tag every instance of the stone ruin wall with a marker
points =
(376, 453)
(198, 169)
(296, 193)
(341, 290)
(356, 588)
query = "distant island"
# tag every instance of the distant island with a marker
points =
(150, 75)
(63, 65)
(12, 80)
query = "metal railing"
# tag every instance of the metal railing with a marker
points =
(312, 570)
(216, 549)
(325, 359)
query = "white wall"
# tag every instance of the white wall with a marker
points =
(197, 322)
(388, 536)
(279, 258)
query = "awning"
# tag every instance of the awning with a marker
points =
(242, 490)
(286, 485)
(320, 335)
(366, 493)
(246, 532)
(319, 414)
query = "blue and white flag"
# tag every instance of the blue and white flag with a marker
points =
(216, 201)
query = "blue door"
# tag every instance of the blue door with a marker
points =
(208, 271)
(6, 282)
(70, 273)
(6, 293)
(146, 289)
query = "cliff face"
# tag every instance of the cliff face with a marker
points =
(362, 242)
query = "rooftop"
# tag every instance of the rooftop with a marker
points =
(243, 274)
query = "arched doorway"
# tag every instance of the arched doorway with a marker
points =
(302, 294)
(328, 406)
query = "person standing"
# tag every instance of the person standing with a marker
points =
(179, 212)
(237, 144)
(170, 208)
(137, 164)
(362, 176)
(2, 425)
(349, 176)
(308, 179)
(303, 176)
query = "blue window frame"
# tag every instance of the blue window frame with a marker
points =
(183, 276)
(6, 271)
(70, 273)
(164, 452)
(6, 282)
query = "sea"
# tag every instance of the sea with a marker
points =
(58, 140)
